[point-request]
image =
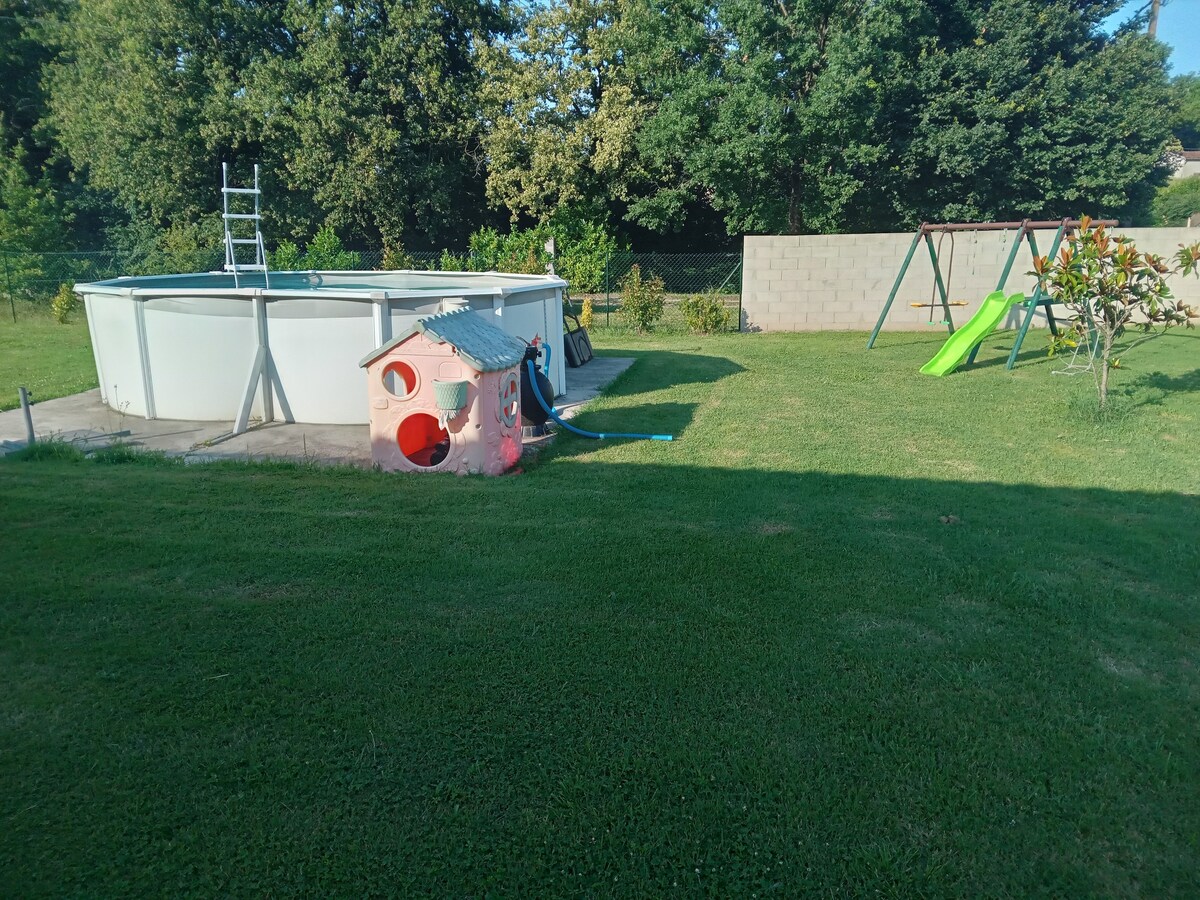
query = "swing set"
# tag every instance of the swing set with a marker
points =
(940, 293)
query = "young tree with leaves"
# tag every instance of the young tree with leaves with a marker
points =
(1110, 287)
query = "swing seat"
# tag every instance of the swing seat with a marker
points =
(937, 305)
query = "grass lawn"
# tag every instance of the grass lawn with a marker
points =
(50, 359)
(856, 630)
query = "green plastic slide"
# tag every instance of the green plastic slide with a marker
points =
(958, 347)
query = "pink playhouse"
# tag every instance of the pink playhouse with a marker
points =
(445, 397)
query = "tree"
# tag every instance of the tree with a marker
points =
(1110, 286)
(363, 115)
(24, 50)
(1022, 109)
(31, 218)
(760, 110)
(562, 112)
(1178, 202)
(377, 107)
(31, 222)
(826, 115)
(1185, 120)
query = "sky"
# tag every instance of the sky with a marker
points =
(1178, 27)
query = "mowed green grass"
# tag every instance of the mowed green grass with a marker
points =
(50, 359)
(753, 661)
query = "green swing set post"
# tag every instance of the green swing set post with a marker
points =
(937, 277)
(1037, 299)
(912, 249)
(1025, 231)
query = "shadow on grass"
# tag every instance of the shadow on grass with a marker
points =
(668, 368)
(1149, 389)
(994, 683)
(1002, 349)
(1188, 382)
(870, 684)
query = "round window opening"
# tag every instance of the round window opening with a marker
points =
(399, 379)
(422, 440)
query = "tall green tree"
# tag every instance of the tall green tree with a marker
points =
(363, 114)
(1185, 118)
(827, 115)
(1018, 108)
(31, 215)
(561, 111)
(24, 50)
(762, 109)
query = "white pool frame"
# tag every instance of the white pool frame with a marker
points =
(194, 347)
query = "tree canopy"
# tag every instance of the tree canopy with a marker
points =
(417, 123)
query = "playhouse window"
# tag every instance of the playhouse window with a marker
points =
(399, 379)
(422, 440)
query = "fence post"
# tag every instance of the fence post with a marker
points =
(607, 300)
(741, 286)
(8, 286)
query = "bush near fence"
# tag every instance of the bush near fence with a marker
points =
(34, 278)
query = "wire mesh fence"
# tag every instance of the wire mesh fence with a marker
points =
(32, 279)
(684, 276)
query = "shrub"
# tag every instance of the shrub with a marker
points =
(63, 304)
(642, 299)
(523, 250)
(582, 257)
(396, 257)
(287, 257)
(452, 262)
(582, 251)
(324, 253)
(587, 315)
(1176, 202)
(706, 312)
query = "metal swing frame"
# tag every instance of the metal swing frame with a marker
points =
(1025, 234)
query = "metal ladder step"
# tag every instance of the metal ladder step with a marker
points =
(230, 218)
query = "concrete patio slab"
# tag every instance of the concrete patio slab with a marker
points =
(84, 420)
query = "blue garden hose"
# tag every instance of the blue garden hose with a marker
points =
(553, 414)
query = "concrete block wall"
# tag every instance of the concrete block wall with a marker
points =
(840, 282)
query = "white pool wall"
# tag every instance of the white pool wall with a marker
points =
(168, 347)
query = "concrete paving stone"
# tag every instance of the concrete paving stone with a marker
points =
(83, 419)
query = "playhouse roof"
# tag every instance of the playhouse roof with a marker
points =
(482, 345)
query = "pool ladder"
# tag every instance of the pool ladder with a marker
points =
(232, 219)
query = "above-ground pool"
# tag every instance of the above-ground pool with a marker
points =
(197, 347)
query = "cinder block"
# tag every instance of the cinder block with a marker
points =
(847, 317)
